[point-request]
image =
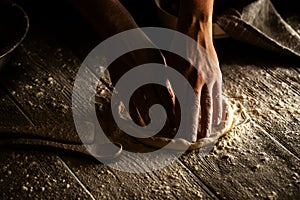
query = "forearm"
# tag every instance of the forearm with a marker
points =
(108, 17)
(195, 19)
(201, 9)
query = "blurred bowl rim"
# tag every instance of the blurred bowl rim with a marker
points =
(26, 28)
(169, 20)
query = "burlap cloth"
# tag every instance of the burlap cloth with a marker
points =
(269, 24)
(259, 23)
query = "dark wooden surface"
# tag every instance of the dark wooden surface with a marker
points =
(259, 160)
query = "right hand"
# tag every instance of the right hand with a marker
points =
(195, 20)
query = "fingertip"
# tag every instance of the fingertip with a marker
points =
(204, 134)
(218, 119)
(206, 112)
(217, 107)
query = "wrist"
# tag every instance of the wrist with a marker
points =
(199, 30)
(200, 9)
(195, 19)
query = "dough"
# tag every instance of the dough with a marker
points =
(234, 115)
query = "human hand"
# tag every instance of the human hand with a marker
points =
(202, 70)
(146, 95)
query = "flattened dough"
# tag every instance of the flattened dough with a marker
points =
(234, 115)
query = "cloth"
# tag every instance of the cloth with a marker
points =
(270, 24)
(259, 23)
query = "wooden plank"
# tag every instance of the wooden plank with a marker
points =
(259, 160)
(39, 84)
(271, 94)
(37, 175)
(40, 76)
(41, 87)
(247, 164)
(32, 67)
(10, 113)
(171, 182)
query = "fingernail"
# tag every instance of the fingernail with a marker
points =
(207, 133)
(218, 120)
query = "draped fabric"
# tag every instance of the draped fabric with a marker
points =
(270, 24)
(259, 23)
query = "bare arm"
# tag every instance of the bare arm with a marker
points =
(195, 20)
(110, 17)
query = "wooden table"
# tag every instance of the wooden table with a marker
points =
(258, 160)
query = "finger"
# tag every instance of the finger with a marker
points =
(217, 103)
(136, 111)
(206, 112)
(146, 96)
(191, 121)
(164, 96)
(167, 99)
